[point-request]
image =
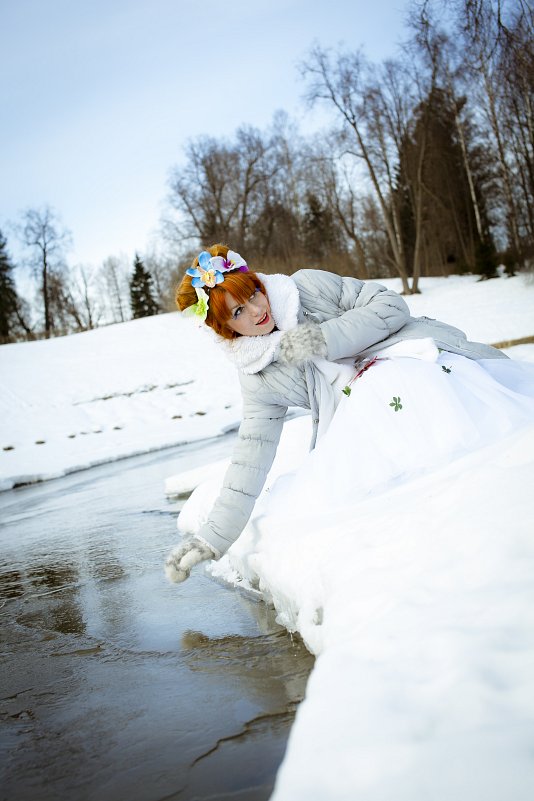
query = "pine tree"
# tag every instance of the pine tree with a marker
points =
(321, 234)
(449, 233)
(142, 291)
(10, 303)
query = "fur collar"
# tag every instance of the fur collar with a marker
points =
(252, 354)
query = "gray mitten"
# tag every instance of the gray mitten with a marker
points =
(185, 556)
(302, 343)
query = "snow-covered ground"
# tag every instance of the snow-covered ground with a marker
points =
(419, 603)
(77, 401)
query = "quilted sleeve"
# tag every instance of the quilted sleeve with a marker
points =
(353, 314)
(252, 459)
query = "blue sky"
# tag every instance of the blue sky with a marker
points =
(99, 97)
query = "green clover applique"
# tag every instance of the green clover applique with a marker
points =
(446, 369)
(396, 403)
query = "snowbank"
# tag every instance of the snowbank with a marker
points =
(419, 604)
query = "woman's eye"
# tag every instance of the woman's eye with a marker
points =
(238, 312)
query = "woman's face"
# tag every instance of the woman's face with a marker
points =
(252, 318)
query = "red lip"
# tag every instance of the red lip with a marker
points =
(264, 320)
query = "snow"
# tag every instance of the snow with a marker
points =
(418, 603)
(488, 311)
(73, 402)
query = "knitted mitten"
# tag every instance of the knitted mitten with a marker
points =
(185, 556)
(302, 343)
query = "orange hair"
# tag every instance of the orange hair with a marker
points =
(240, 285)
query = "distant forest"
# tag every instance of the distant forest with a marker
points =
(425, 168)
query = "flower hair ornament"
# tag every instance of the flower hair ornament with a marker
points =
(209, 273)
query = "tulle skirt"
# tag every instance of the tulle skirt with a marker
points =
(405, 416)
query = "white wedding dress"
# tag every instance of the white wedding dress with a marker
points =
(412, 409)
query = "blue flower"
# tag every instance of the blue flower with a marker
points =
(206, 273)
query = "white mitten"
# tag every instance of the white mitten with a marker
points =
(302, 343)
(185, 556)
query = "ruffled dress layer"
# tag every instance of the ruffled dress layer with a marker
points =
(411, 409)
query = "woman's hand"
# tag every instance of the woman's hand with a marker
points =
(185, 556)
(302, 343)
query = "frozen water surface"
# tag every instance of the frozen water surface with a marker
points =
(116, 684)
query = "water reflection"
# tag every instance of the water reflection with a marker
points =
(11, 585)
(103, 563)
(285, 654)
(53, 591)
(254, 661)
(53, 575)
(159, 691)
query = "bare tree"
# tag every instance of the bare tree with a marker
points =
(350, 86)
(275, 233)
(222, 188)
(482, 28)
(517, 71)
(83, 306)
(163, 267)
(204, 193)
(435, 47)
(42, 232)
(487, 69)
(372, 129)
(331, 177)
(113, 279)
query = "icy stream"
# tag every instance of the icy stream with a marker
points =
(114, 683)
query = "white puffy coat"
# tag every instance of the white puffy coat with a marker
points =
(356, 318)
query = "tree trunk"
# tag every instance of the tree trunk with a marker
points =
(46, 299)
(505, 172)
(467, 168)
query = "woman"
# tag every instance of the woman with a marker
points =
(341, 348)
